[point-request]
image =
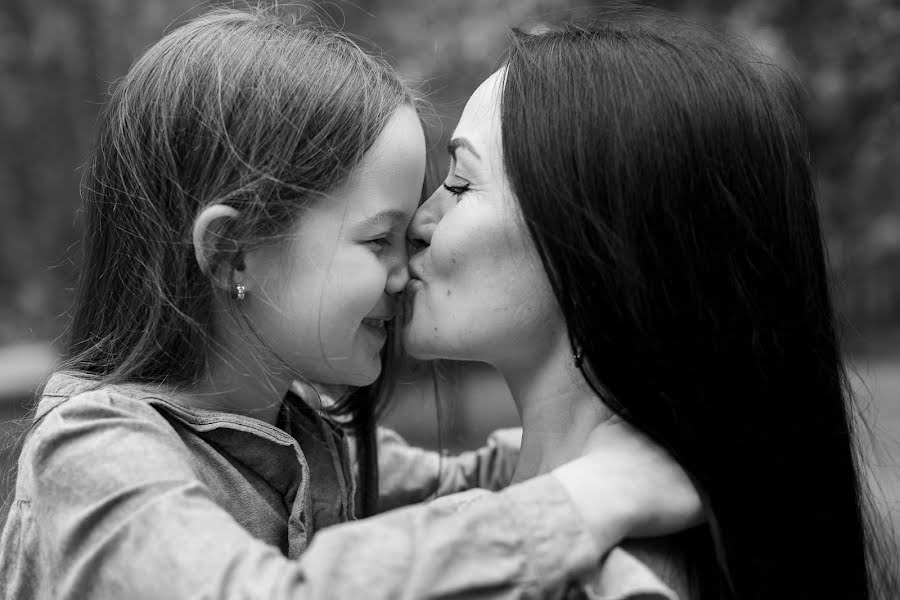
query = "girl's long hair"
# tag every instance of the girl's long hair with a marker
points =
(253, 109)
(664, 176)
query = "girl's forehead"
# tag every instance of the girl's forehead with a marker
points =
(389, 178)
(399, 150)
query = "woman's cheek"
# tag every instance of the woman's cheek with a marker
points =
(457, 243)
(443, 254)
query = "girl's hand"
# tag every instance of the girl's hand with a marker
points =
(624, 485)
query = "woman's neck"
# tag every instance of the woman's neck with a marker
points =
(557, 407)
(559, 410)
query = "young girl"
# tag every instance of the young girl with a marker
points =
(246, 205)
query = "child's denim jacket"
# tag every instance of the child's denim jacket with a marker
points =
(128, 493)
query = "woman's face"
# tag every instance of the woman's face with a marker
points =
(478, 290)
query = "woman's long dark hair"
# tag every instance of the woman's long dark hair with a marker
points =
(664, 175)
(253, 109)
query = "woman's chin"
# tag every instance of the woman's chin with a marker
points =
(415, 344)
(426, 347)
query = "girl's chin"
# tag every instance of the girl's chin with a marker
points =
(368, 371)
(362, 378)
(356, 372)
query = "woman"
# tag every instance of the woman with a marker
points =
(629, 227)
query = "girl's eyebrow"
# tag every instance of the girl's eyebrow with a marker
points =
(461, 142)
(393, 216)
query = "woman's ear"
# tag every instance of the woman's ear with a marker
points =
(208, 237)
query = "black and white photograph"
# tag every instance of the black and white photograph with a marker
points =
(449, 299)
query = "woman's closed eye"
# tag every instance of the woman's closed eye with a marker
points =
(456, 190)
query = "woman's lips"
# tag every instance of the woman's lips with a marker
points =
(415, 269)
(409, 295)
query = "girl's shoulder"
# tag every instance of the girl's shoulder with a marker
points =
(72, 395)
(78, 416)
(86, 436)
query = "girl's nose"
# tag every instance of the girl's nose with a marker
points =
(427, 218)
(398, 276)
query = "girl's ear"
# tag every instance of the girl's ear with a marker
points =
(208, 238)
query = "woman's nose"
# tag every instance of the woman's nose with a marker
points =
(426, 219)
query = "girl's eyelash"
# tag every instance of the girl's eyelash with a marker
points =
(381, 243)
(456, 190)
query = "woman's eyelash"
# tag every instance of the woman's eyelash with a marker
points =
(456, 190)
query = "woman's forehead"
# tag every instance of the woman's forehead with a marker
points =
(480, 121)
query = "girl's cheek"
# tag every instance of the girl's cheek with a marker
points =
(362, 285)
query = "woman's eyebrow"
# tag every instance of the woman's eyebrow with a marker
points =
(461, 142)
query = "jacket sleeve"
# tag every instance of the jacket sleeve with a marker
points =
(119, 513)
(408, 475)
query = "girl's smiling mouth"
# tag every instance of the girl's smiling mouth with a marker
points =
(376, 323)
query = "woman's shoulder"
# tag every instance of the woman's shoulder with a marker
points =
(626, 576)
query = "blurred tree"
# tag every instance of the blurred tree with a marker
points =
(59, 57)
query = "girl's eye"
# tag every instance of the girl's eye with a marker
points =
(378, 244)
(457, 190)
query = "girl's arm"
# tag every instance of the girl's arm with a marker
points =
(117, 512)
(408, 475)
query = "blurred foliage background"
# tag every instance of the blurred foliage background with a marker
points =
(58, 59)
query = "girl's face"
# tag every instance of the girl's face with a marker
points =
(478, 291)
(321, 300)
